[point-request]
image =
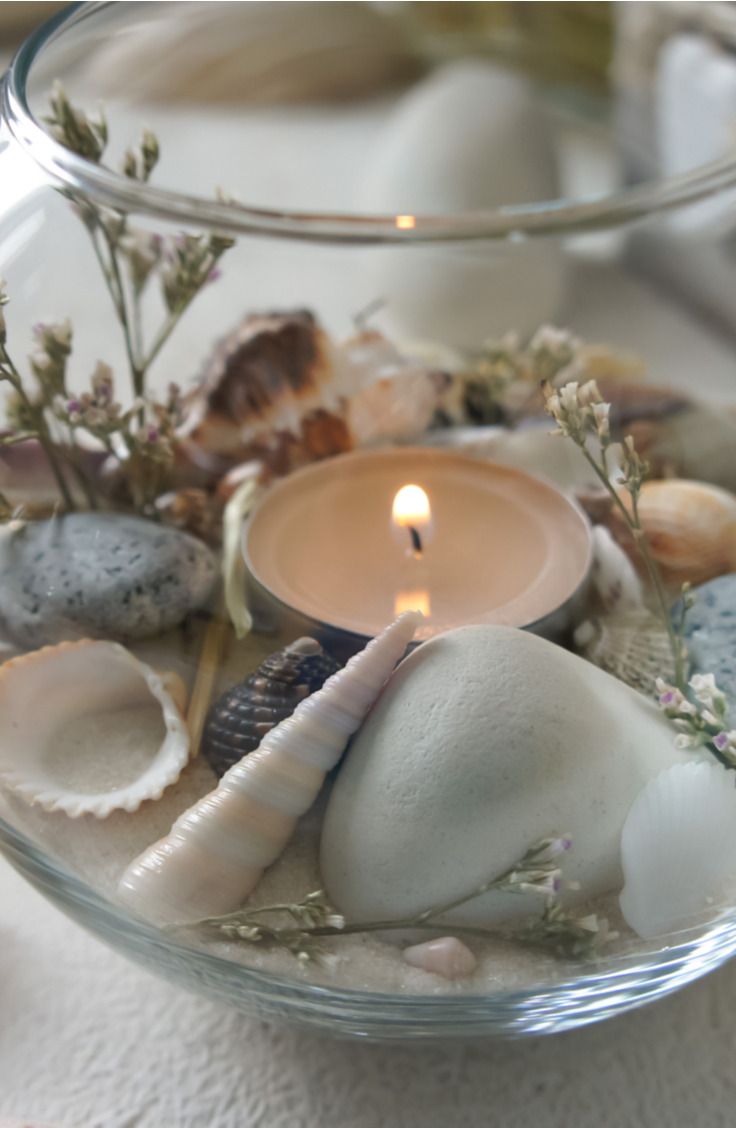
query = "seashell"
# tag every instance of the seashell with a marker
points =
(613, 576)
(239, 720)
(193, 510)
(279, 391)
(632, 645)
(216, 851)
(107, 736)
(269, 373)
(690, 528)
(678, 847)
(446, 956)
(392, 397)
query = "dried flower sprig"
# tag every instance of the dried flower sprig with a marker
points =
(143, 438)
(537, 872)
(25, 412)
(567, 934)
(582, 415)
(551, 354)
(130, 258)
(701, 718)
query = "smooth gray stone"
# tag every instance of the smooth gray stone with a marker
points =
(485, 740)
(99, 576)
(710, 633)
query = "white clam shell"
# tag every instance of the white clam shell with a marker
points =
(678, 847)
(66, 710)
(216, 851)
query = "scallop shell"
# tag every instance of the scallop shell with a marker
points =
(238, 721)
(215, 853)
(74, 716)
(632, 645)
(690, 528)
(678, 847)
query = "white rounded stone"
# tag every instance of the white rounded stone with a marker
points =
(470, 137)
(485, 740)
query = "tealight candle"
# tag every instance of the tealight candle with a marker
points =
(341, 547)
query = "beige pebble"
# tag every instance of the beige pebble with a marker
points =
(447, 956)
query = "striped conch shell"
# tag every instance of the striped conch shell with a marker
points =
(216, 851)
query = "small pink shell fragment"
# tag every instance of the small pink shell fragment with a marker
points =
(447, 956)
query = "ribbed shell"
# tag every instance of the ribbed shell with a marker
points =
(632, 645)
(241, 717)
(215, 852)
(678, 848)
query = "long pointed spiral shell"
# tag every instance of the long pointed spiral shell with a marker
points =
(216, 851)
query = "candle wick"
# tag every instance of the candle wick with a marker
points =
(416, 540)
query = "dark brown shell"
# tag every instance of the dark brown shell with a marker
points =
(238, 721)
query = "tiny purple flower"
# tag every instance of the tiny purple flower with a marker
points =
(152, 434)
(214, 274)
(721, 741)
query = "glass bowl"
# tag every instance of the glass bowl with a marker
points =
(289, 122)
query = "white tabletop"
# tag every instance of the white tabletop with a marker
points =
(88, 1040)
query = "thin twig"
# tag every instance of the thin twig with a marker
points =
(210, 659)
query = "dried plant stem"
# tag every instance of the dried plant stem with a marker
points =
(210, 658)
(11, 374)
(537, 872)
(633, 523)
(117, 290)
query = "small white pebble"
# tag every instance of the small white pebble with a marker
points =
(447, 956)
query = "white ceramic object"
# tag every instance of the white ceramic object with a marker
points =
(217, 850)
(470, 137)
(485, 740)
(446, 956)
(678, 848)
(87, 729)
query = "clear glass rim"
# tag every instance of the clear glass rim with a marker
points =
(514, 223)
(697, 950)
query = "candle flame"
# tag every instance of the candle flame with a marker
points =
(413, 601)
(411, 507)
(406, 222)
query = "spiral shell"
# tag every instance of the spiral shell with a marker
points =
(239, 720)
(631, 645)
(690, 528)
(215, 853)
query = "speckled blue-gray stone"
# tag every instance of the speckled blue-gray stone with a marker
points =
(710, 632)
(90, 575)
